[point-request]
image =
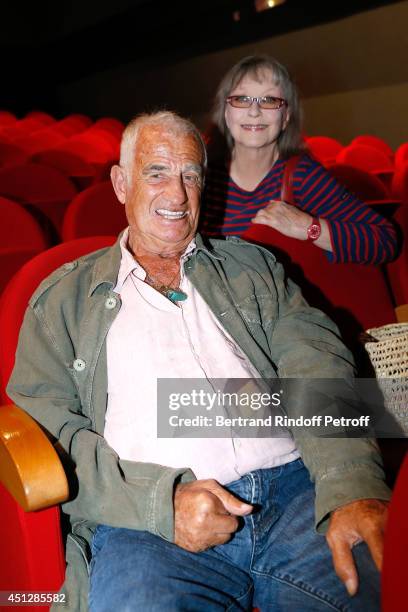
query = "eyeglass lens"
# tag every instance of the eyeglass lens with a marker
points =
(266, 102)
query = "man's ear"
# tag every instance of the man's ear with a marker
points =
(118, 178)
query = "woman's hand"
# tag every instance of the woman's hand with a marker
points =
(292, 222)
(285, 218)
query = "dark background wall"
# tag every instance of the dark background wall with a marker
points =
(105, 58)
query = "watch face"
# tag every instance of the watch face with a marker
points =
(313, 231)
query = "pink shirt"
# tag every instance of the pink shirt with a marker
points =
(153, 338)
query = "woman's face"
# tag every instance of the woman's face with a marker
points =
(255, 127)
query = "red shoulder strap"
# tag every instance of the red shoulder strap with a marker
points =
(287, 181)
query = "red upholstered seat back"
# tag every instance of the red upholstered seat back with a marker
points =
(80, 172)
(18, 292)
(11, 154)
(355, 296)
(45, 189)
(394, 574)
(323, 148)
(19, 228)
(366, 158)
(32, 183)
(397, 270)
(399, 185)
(94, 211)
(21, 238)
(31, 551)
(364, 185)
(375, 142)
(401, 155)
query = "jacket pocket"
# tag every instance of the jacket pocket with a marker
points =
(259, 311)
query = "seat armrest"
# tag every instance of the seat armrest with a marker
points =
(30, 468)
(401, 312)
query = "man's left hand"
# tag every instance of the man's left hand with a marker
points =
(362, 520)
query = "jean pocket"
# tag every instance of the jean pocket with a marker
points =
(99, 538)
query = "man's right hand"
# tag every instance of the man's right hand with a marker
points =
(205, 514)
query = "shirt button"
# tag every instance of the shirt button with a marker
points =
(79, 365)
(110, 303)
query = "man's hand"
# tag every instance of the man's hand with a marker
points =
(205, 514)
(285, 218)
(362, 520)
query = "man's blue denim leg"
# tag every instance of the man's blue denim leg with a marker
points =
(134, 571)
(276, 561)
(291, 565)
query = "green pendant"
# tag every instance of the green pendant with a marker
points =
(176, 296)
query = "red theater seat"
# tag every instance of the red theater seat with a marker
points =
(355, 296)
(110, 124)
(31, 551)
(73, 124)
(394, 574)
(7, 118)
(22, 127)
(94, 211)
(375, 142)
(91, 150)
(401, 155)
(20, 239)
(369, 159)
(102, 146)
(11, 154)
(19, 228)
(40, 140)
(399, 183)
(46, 190)
(364, 185)
(44, 118)
(397, 271)
(80, 172)
(323, 148)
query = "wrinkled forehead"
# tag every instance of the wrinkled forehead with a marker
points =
(260, 74)
(166, 141)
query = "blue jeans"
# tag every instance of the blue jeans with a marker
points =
(275, 561)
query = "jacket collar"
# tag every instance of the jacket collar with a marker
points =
(107, 266)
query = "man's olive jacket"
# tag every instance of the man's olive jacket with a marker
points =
(60, 378)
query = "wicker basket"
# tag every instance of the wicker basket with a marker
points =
(389, 357)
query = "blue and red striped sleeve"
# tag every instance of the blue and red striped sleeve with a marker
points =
(358, 233)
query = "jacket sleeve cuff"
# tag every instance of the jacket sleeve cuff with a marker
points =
(345, 488)
(162, 500)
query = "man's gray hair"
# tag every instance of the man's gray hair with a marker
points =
(170, 120)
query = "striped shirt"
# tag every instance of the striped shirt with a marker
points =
(358, 233)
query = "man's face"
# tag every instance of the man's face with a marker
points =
(163, 192)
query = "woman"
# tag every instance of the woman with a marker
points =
(257, 111)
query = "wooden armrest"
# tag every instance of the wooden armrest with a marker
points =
(30, 468)
(401, 313)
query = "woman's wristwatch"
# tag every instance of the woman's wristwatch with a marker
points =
(314, 230)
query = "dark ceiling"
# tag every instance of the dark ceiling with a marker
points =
(46, 44)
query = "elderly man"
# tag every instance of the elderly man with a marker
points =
(202, 524)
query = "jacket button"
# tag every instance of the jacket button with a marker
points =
(110, 303)
(79, 365)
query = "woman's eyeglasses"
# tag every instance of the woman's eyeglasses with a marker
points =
(265, 102)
